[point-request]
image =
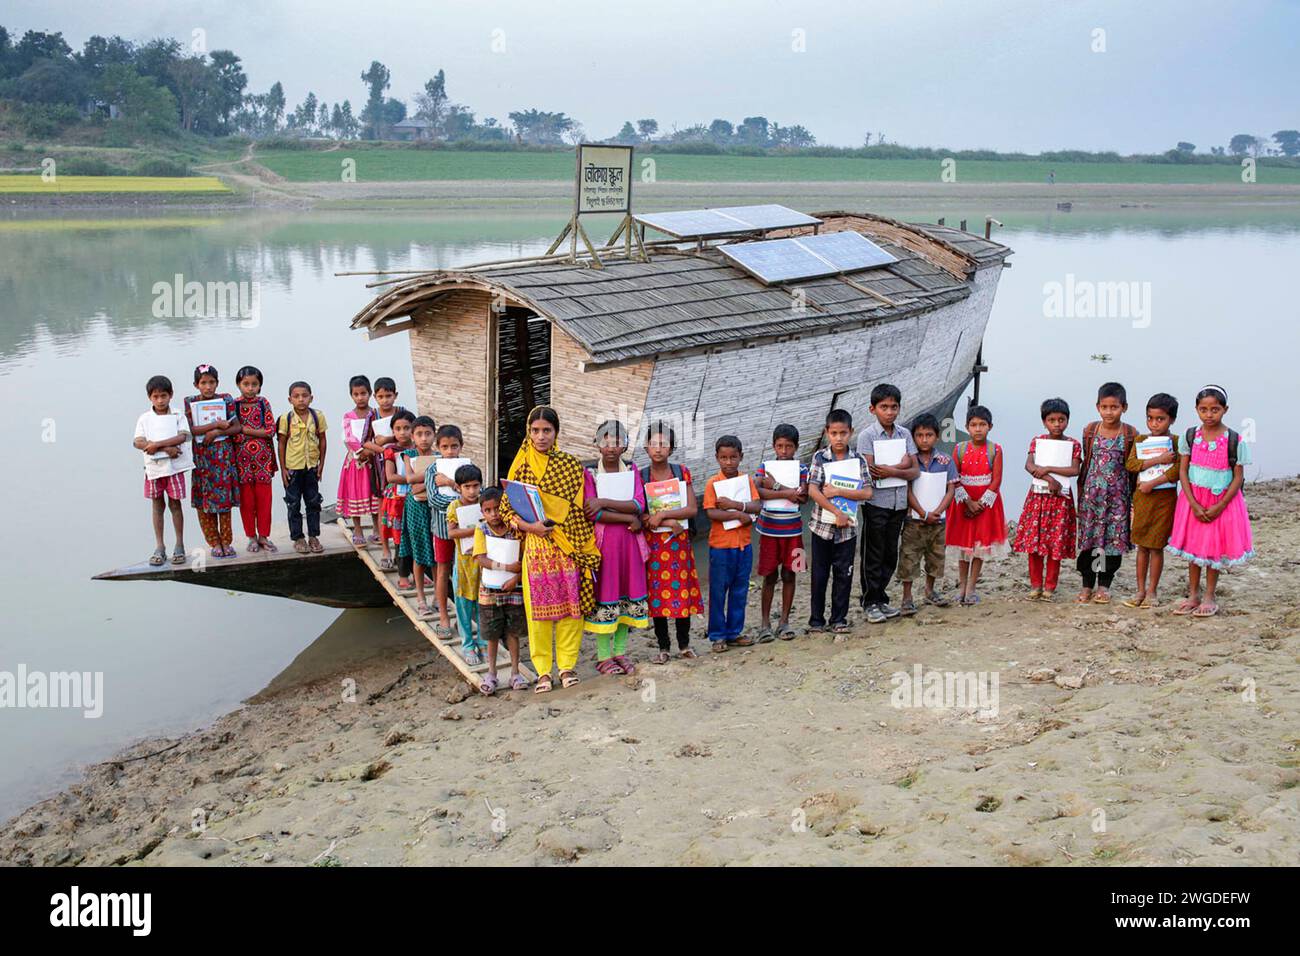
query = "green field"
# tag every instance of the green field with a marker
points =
(390, 165)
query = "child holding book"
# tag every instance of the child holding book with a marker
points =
(1105, 495)
(1046, 530)
(376, 438)
(834, 525)
(301, 432)
(469, 482)
(672, 583)
(1211, 526)
(417, 543)
(925, 526)
(255, 459)
(882, 516)
(500, 609)
(621, 581)
(730, 554)
(780, 532)
(977, 529)
(1155, 497)
(216, 487)
(356, 497)
(162, 437)
(394, 500)
(442, 492)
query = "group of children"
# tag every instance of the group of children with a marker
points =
(892, 501)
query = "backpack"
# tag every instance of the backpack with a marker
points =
(961, 446)
(1127, 434)
(283, 422)
(696, 525)
(1234, 442)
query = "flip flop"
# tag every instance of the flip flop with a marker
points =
(786, 632)
(1080, 599)
(267, 545)
(660, 658)
(607, 667)
(1101, 597)
(316, 546)
(254, 547)
(1206, 610)
(158, 558)
(742, 641)
(358, 539)
(544, 685)
(1185, 607)
(300, 545)
(1147, 604)
(688, 653)
(907, 608)
(972, 599)
(719, 647)
(765, 636)
(1132, 602)
(386, 564)
(623, 661)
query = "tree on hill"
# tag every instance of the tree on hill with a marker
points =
(142, 104)
(541, 128)
(1243, 143)
(1288, 140)
(372, 115)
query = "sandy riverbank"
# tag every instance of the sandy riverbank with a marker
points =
(1121, 737)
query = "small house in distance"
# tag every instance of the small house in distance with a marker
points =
(706, 337)
(410, 130)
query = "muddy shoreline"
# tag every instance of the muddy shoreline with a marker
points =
(1120, 737)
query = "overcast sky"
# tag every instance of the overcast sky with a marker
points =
(1003, 74)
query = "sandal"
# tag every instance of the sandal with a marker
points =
(970, 600)
(688, 653)
(358, 539)
(608, 667)
(840, 628)
(300, 545)
(158, 558)
(424, 613)
(178, 556)
(1101, 597)
(660, 658)
(1185, 606)
(623, 661)
(1084, 597)
(742, 641)
(937, 599)
(443, 631)
(718, 647)
(315, 545)
(765, 636)
(488, 685)
(253, 546)
(907, 608)
(786, 632)
(518, 682)
(1147, 604)
(569, 678)
(268, 545)
(1206, 610)
(544, 685)
(386, 564)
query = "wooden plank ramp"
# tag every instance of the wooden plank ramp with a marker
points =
(450, 647)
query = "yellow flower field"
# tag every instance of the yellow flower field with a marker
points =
(32, 184)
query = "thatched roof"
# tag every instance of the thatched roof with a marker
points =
(681, 300)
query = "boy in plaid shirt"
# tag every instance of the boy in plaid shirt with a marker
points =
(832, 540)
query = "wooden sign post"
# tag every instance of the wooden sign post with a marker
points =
(603, 184)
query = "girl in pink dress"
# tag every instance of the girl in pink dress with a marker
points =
(977, 528)
(621, 587)
(356, 496)
(1211, 526)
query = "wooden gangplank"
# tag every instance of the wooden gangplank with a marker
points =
(450, 647)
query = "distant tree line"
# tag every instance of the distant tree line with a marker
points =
(161, 87)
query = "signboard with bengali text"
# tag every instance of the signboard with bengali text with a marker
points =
(604, 178)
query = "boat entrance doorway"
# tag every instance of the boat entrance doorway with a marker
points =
(522, 361)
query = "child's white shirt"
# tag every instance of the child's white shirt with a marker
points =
(151, 424)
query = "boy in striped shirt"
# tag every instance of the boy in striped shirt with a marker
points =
(780, 530)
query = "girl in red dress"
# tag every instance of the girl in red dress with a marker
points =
(254, 459)
(976, 529)
(1046, 530)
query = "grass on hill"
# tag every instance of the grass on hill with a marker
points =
(33, 184)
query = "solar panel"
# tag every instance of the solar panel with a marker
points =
(808, 257)
(724, 221)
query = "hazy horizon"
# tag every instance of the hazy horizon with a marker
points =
(1018, 75)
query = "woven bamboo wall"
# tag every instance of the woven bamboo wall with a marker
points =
(449, 359)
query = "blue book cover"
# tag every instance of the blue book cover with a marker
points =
(525, 500)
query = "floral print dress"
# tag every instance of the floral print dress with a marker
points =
(1105, 499)
(216, 488)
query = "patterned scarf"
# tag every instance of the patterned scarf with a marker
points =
(559, 477)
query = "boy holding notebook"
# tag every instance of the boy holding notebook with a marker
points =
(834, 524)
(783, 487)
(923, 529)
(891, 454)
(730, 555)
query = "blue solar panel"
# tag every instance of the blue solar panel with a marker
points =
(808, 257)
(724, 221)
